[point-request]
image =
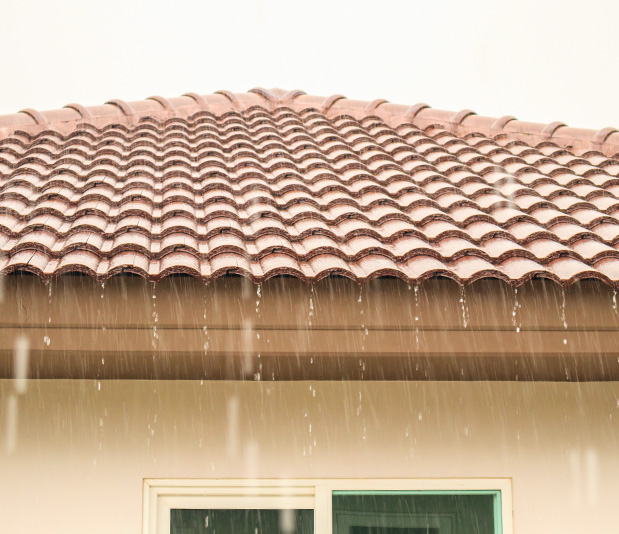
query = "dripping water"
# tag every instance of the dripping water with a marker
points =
(464, 306)
(46, 338)
(563, 317)
(517, 305)
(20, 371)
(416, 294)
(310, 312)
(154, 315)
(364, 330)
(205, 333)
(258, 297)
(20, 364)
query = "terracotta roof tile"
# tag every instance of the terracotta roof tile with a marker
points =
(306, 186)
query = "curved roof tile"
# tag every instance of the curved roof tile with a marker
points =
(272, 182)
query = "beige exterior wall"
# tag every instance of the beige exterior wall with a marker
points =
(82, 452)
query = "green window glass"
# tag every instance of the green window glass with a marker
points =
(242, 521)
(416, 512)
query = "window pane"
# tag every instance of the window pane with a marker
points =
(406, 513)
(242, 521)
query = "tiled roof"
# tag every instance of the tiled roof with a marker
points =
(274, 182)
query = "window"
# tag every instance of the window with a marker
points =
(328, 506)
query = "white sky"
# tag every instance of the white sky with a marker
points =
(540, 60)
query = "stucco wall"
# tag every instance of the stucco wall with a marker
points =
(80, 452)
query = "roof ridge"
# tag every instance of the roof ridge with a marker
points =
(68, 118)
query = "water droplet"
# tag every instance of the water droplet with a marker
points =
(465, 309)
(46, 340)
(563, 319)
(517, 306)
(11, 424)
(20, 361)
(420, 416)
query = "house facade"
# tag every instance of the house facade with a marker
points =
(272, 312)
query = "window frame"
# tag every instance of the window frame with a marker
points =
(161, 495)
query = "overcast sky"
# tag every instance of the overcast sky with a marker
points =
(535, 59)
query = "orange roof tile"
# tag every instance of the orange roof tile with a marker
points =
(273, 182)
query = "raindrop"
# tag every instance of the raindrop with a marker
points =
(517, 306)
(310, 312)
(233, 425)
(592, 472)
(11, 424)
(416, 293)
(259, 296)
(46, 340)
(20, 364)
(155, 316)
(615, 300)
(287, 522)
(563, 319)
(204, 328)
(49, 301)
(102, 289)
(465, 309)
(420, 416)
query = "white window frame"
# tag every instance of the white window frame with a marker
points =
(163, 495)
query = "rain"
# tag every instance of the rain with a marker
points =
(376, 296)
(241, 409)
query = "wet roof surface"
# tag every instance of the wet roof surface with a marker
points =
(271, 182)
